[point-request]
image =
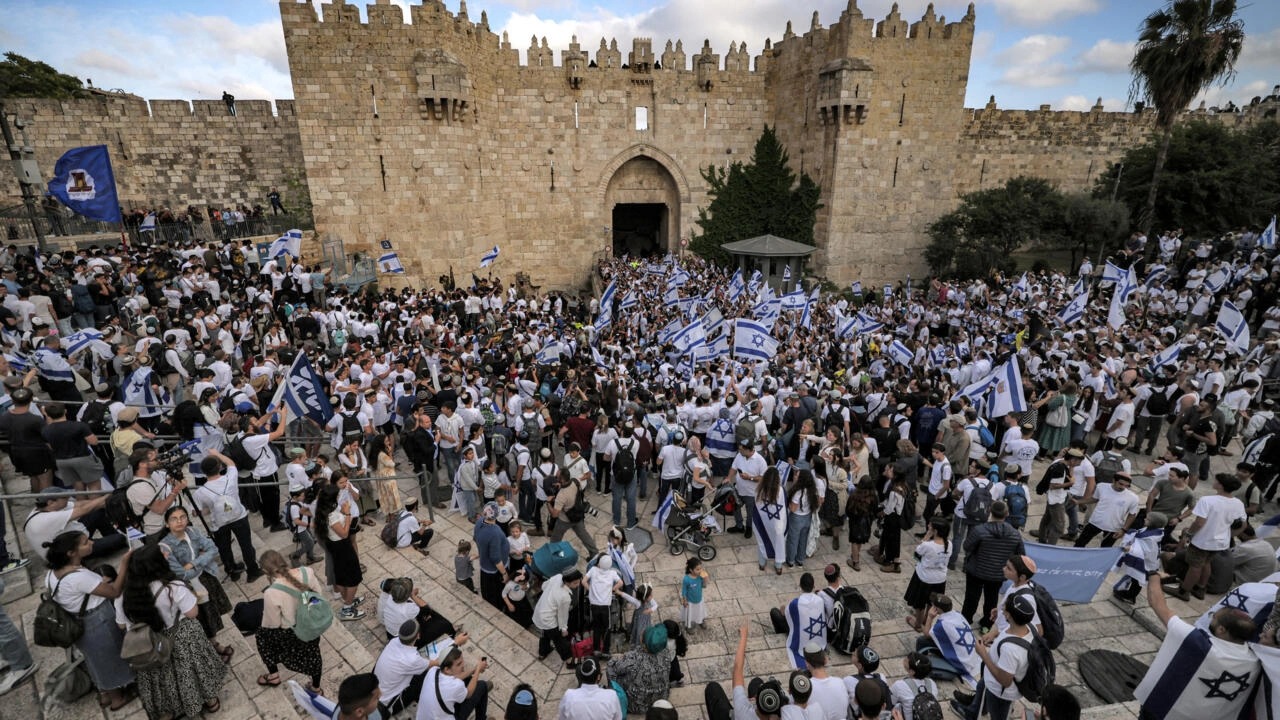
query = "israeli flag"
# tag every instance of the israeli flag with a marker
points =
(786, 274)
(1254, 599)
(1079, 287)
(667, 333)
(713, 321)
(148, 223)
(550, 353)
(770, 313)
(623, 567)
(1074, 311)
(691, 336)
(1120, 297)
(806, 623)
(856, 287)
(303, 391)
(958, 643)
(606, 298)
(1269, 528)
(794, 300)
(664, 511)
(736, 286)
(1253, 451)
(80, 340)
(490, 257)
(900, 353)
(752, 341)
(977, 392)
(1112, 272)
(868, 324)
(1232, 327)
(1195, 676)
(1007, 394)
(390, 263)
(1217, 280)
(18, 362)
(888, 290)
(1166, 357)
(290, 243)
(1156, 272)
(315, 704)
(603, 320)
(1267, 240)
(846, 327)
(717, 348)
(678, 279)
(1022, 286)
(599, 359)
(754, 283)
(629, 301)
(671, 297)
(807, 316)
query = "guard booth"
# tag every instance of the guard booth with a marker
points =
(776, 258)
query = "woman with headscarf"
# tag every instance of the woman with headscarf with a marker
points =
(644, 672)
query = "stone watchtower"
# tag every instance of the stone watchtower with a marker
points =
(432, 134)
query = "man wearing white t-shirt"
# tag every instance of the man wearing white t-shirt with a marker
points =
(1004, 663)
(451, 692)
(1217, 518)
(1117, 508)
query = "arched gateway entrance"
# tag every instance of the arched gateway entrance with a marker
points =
(642, 200)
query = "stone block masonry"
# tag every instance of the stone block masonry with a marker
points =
(173, 152)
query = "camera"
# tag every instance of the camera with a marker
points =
(174, 460)
(590, 510)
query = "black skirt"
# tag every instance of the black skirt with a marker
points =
(918, 592)
(346, 564)
(859, 529)
(210, 613)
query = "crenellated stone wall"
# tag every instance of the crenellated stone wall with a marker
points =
(172, 152)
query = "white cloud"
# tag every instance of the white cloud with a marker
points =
(1034, 61)
(983, 41)
(1082, 103)
(1239, 94)
(110, 62)
(230, 39)
(1042, 12)
(1107, 56)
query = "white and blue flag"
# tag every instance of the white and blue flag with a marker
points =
(1232, 327)
(550, 353)
(490, 257)
(606, 297)
(736, 286)
(958, 643)
(630, 300)
(390, 263)
(1006, 393)
(690, 336)
(1022, 287)
(666, 334)
(900, 353)
(1112, 272)
(1156, 273)
(786, 274)
(806, 623)
(1079, 287)
(1196, 676)
(856, 287)
(664, 511)
(752, 340)
(1074, 311)
(806, 317)
(713, 321)
(290, 242)
(1267, 240)
(846, 326)
(80, 340)
(1166, 357)
(794, 300)
(599, 359)
(1120, 298)
(1217, 280)
(868, 324)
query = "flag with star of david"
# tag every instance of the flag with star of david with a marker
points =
(1196, 676)
(806, 622)
(957, 642)
(752, 341)
(1254, 599)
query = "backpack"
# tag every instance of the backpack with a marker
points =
(550, 481)
(924, 706)
(1015, 495)
(314, 614)
(1041, 668)
(850, 626)
(97, 415)
(286, 517)
(160, 363)
(54, 626)
(390, 532)
(486, 412)
(977, 508)
(1050, 616)
(68, 683)
(985, 438)
(578, 510)
(624, 464)
(1159, 402)
(239, 454)
(145, 648)
(351, 428)
(1110, 464)
(530, 426)
(1055, 471)
(120, 511)
(746, 429)
(498, 447)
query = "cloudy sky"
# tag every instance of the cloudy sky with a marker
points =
(1027, 52)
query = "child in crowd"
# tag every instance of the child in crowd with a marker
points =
(917, 681)
(602, 582)
(463, 569)
(645, 609)
(519, 542)
(1142, 556)
(860, 508)
(506, 510)
(693, 608)
(298, 513)
(515, 599)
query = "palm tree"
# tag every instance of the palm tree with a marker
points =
(1182, 49)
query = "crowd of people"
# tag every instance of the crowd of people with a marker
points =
(681, 387)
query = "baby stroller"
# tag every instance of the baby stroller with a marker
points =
(692, 527)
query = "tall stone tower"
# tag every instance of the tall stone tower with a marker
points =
(433, 135)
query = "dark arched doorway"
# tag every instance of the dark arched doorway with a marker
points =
(644, 209)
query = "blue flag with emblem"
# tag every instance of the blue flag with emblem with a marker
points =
(83, 181)
(856, 287)
(303, 392)
(690, 336)
(1007, 395)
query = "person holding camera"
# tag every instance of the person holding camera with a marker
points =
(452, 692)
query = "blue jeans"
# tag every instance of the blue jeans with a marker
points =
(997, 708)
(452, 459)
(628, 492)
(642, 479)
(797, 537)
(746, 504)
(13, 647)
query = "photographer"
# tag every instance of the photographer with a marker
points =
(150, 493)
(570, 506)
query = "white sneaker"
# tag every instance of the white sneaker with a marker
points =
(13, 678)
(14, 565)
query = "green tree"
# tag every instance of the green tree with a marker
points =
(1090, 225)
(1214, 178)
(982, 234)
(1183, 49)
(21, 77)
(762, 197)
